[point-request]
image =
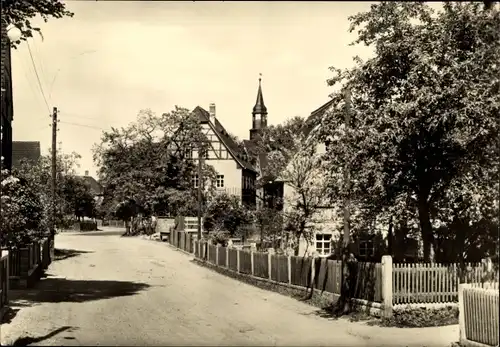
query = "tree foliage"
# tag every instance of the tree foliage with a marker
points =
(149, 163)
(279, 143)
(305, 180)
(21, 211)
(424, 131)
(21, 14)
(226, 213)
(79, 200)
(269, 223)
(26, 198)
(73, 195)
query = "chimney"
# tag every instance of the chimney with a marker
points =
(211, 110)
(86, 172)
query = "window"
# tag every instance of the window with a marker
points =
(247, 182)
(366, 248)
(219, 182)
(189, 153)
(323, 243)
(195, 181)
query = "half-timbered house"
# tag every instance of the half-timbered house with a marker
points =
(236, 165)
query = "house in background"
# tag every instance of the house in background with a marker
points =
(328, 220)
(236, 165)
(96, 188)
(326, 224)
(25, 151)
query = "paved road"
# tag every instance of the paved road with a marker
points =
(128, 291)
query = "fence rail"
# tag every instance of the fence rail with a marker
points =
(384, 283)
(434, 283)
(479, 313)
(18, 265)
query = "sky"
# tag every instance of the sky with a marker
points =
(115, 58)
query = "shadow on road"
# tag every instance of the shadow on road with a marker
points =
(28, 340)
(68, 290)
(9, 315)
(61, 254)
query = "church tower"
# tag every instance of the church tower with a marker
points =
(259, 114)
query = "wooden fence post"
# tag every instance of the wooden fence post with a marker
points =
(461, 312)
(217, 255)
(252, 263)
(227, 257)
(387, 285)
(289, 259)
(313, 270)
(238, 260)
(269, 263)
(7, 279)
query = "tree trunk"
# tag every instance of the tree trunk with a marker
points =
(390, 237)
(296, 248)
(261, 236)
(425, 228)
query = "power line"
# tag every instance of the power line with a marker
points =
(83, 125)
(26, 75)
(37, 77)
(73, 115)
(96, 118)
(40, 61)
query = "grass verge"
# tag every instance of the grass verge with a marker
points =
(419, 317)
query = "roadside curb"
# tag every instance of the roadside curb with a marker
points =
(180, 250)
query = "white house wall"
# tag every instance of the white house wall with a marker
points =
(225, 165)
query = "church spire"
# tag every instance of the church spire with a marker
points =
(259, 113)
(259, 107)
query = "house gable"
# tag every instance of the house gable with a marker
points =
(220, 141)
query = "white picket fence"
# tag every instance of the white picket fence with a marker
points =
(479, 314)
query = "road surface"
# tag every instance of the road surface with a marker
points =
(112, 290)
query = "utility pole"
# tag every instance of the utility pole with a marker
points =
(54, 174)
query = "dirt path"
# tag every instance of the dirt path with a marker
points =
(128, 291)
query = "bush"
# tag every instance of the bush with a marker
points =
(219, 237)
(21, 212)
(420, 317)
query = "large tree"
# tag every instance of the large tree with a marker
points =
(21, 13)
(149, 163)
(279, 142)
(424, 114)
(39, 174)
(78, 198)
(306, 192)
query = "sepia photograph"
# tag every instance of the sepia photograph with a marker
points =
(250, 173)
